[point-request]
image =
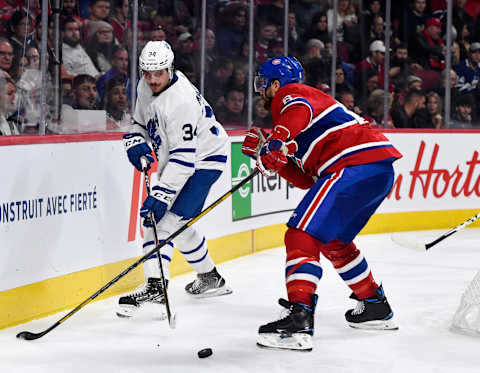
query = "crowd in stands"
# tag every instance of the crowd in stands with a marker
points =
(96, 55)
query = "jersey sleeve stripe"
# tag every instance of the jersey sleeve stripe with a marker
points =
(298, 100)
(182, 150)
(183, 163)
(216, 158)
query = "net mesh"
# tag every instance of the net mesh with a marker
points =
(467, 317)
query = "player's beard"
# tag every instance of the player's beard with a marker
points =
(267, 102)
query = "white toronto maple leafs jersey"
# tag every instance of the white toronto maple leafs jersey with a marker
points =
(182, 129)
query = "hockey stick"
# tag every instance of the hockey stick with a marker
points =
(424, 246)
(172, 318)
(30, 335)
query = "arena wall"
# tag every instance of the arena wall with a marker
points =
(69, 211)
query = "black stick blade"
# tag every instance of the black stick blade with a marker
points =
(28, 336)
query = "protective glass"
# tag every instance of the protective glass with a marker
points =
(259, 83)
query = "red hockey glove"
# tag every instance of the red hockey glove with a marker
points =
(272, 157)
(253, 142)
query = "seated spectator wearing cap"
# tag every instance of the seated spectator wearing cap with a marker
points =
(101, 45)
(184, 50)
(468, 70)
(428, 48)
(316, 63)
(414, 82)
(372, 65)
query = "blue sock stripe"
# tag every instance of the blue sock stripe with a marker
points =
(194, 250)
(311, 269)
(355, 271)
(198, 260)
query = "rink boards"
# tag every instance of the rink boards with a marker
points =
(69, 211)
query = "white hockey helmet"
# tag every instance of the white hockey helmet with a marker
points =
(157, 55)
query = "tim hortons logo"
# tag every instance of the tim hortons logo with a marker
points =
(440, 182)
(138, 186)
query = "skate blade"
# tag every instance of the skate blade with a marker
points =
(375, 325)
(126, 311)
(296, 341)
(150, 308)
(224, 290)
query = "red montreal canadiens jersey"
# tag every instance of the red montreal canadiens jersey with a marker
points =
(326, 134)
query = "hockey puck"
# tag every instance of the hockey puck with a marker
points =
(206, 352)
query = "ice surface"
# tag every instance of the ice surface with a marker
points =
(424, 290)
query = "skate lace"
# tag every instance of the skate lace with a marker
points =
(284, 314)
(360, 307)
(202, 281)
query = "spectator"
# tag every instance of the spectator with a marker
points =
(21, 31)
(210, 50)
(157, 34)
(375, 109)
(316, 63)
(119, 69)
(413, 22)
(428, 48)
(238, 80)
(99, 10)
(69, 10)
(468, 70)
(233, 29)
(345, 17)
(6, 55)
(377, 28)
(341, 83)
(294, 32)
(401, 67)
(373, 10)
(462, 117)
(267, 33)
(184, 51)
(403, 116)
(85, 93)
(67, 91)
(347, 99)
(318, 28)
(217, 80)
(8, 7)
(414, 82)
(261, 117)
(233, 110)
(33, 57)
(75, 58)
(19, 68)
(7, 107)
(439, 87)
(368, 67)
(435, 109)
(120, 20)
(273, 13)
(101, 45)
(116, 105)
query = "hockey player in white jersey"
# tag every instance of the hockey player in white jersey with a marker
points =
(191, 146)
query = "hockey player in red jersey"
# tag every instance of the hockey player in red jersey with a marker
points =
(346, 165)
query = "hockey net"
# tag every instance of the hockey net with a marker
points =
(467, 317)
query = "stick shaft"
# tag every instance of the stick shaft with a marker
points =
(143, 258)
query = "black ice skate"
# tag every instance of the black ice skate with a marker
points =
(294, 331)
(371, 313)
(209, 284)
(149, 292)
